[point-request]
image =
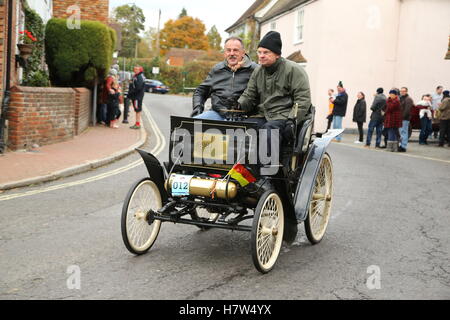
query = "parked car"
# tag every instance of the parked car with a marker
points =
(155, 86)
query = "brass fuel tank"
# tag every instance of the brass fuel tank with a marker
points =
(205, 186)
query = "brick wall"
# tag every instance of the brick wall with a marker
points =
(46, 115)
(96, 10)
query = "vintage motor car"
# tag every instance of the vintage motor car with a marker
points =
(215, 178)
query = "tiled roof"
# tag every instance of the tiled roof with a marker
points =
(258, 4)
(281, 7)
(297, 57)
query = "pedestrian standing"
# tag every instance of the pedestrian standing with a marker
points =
(444, 125)
(360, 114)
(425, 116)
(406, 103)
(331, 96)
(340, 108)
(437, 97)
(113, 105)
(102, 104)
(393, 120)
(436, 100)
(138, 91)
(107, 90)
(376, 118)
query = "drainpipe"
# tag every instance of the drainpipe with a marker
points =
(7, 92)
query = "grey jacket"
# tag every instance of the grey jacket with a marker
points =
(379, 103)
(223, 86)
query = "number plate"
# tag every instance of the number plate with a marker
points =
(180, 185)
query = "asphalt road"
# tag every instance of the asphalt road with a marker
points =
(388, 237)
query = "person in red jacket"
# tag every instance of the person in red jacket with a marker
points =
(393, 120)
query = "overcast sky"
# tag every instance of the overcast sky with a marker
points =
(212, 12)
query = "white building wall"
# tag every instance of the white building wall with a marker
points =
(363, 44)
(423, 43)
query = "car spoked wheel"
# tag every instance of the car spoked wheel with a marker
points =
(137, 234)
(320, 205)
(267, 231)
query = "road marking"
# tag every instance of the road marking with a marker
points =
(161, 141)
(397, 153)
(159, 147)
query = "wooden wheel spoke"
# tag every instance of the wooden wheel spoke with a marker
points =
(320, 204)
(138, 235)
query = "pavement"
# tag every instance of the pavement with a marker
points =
(414, 150)
(95, 147)
(99, 145)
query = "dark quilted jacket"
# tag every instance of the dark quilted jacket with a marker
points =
(224, 86)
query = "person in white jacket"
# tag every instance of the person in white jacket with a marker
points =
(426, 117)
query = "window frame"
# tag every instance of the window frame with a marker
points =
(299, 25)
(271, 24)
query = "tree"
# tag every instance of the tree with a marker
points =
(185, 32)
(183, 13)
(144, 49)
(147, 44)
(214, 38)
(131, 18)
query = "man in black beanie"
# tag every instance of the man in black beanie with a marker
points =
(277, 96)
(278, 91)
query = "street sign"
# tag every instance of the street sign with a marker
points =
(155, 70)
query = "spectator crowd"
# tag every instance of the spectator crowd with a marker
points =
(393, 117)
(115, 92)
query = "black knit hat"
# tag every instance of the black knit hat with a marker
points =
(380, 90)
(271, 41)
(394, 91)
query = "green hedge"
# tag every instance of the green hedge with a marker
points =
(75, 57)
(33, 74)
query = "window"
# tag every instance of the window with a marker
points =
(299, 25)
(273, 26)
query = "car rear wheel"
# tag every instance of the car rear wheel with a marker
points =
(320, 205)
